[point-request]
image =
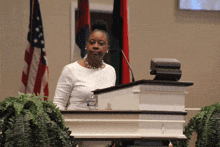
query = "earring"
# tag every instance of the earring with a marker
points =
(107, 51)
(85, 48)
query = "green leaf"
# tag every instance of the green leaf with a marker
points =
(18, 108)
(8, 104)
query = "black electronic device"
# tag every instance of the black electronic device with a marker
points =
(165, 69)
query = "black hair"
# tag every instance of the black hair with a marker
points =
(102, 26)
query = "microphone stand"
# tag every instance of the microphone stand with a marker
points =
(132, 75)
(128, 66)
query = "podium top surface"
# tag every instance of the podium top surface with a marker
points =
(144, 82)
(122, 112)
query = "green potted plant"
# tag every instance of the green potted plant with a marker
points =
(27, 120)
(207, 126)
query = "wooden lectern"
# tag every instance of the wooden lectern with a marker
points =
(141, 110)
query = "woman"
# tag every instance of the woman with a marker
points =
(80, 78)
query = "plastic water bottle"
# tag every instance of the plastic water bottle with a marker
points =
(92, 102)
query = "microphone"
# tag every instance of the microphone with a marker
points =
(132, 75)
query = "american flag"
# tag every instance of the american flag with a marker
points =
(35, 73)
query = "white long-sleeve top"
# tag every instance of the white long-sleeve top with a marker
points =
(76, 83)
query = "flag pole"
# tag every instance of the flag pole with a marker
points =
(32, 16)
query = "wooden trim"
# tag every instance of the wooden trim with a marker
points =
(124, 120)
(144, 82)
(159, 92)
(130, 139)
(123, 112)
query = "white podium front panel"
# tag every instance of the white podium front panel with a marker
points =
(116, 125)
(122, 99)
(144, 97)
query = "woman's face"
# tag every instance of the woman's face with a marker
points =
(97, 45)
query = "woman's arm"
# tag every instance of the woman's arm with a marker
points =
(63, 89)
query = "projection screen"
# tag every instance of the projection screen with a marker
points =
(209, 5)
